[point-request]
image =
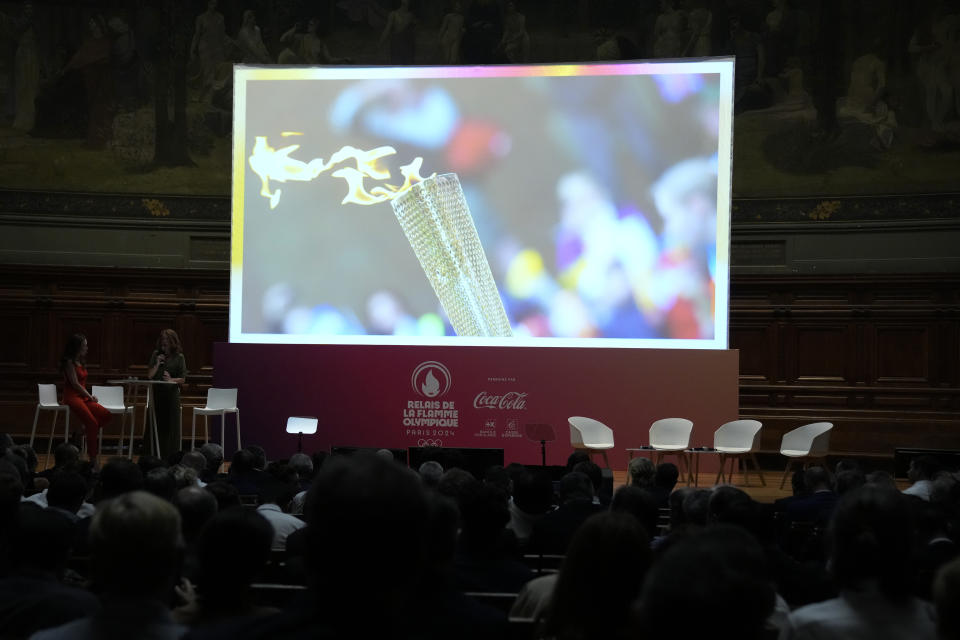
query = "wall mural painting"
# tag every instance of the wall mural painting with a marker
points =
(833, 97)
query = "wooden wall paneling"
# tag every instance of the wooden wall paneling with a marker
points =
(820, 352)
(900, 353)
(757, 342)
(16, 327)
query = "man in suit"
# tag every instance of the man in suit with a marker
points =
(553, 532)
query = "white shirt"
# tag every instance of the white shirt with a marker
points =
(920, 488)
(864, 615)
(40, 499)
(283, 523)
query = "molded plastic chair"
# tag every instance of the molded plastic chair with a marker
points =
(809, 441)
(220, 402)
(111, 399)
(47, 401)
(591, 436)
(671, 436)
(736, 440)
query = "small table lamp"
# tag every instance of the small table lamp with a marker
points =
(301, 425)
(542, 433)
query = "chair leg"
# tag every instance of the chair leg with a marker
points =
(206, 429)
(756, 465)
(193, 431)
(223, 432)
(237, 412)
(53, 430)
(605, 461)
(786, 473)
(33, 430)
(723, 460)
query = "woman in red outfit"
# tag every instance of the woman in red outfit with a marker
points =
(75, 394)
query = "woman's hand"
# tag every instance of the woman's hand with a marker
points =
(166, 376)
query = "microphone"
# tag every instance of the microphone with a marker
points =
(436, 219)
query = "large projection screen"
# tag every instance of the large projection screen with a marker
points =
(544, 205)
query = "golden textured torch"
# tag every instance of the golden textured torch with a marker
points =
(436, 220)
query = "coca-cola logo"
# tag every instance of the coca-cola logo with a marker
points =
(508, 400)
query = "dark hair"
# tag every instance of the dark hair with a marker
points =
(242, 462)
(67, 491)
(259, 456)
(696, 506)
(226, 494)
(483, 515)
(576, 458)
(638, 503)
(815, 477)
(716, 581)
(591, 470)
(533, 492)
(148, 463)
(196, 507)
(926, 467)
(497, 476)
(234, 548)
(848, 480)
(119, 476)
(666, 475)
(161, 482)
(575, 485)
(871, 535)
(71, 350)
(601, 575)
(729, 505)
(65, 454)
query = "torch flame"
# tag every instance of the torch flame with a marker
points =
(276, 164)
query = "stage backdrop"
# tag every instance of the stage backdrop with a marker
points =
(403, 396)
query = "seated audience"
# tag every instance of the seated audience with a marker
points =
(946, 595)
(533, 497)
(283, 523)
(226, 495)
(848, 480)
(67, 494)
(197, 462)
(923, 470)
(161, 482)
(196, 507)
(818, 504)
(872, 542)
(430, 473)
(136, 544)
(601, 576)
(302, 465)
(640, 472)
(593, 471)
(639, 503)
(664, 481)
(552, 533)
(213, 454)
(66, 457)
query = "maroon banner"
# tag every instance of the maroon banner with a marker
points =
(401, 396)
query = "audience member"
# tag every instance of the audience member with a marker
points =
(67, 494)
(576, 458)
(922, 471)
(601, 576)
(552, 533)
(711, 584)
(117, 477)
(196, 507)
(196, 461)
(430, 472)
(533, 497)
(213, 454)
(453, 482)
(161, 482)
(283, 523)
(639, 503)
(881, 478)
(640, 472)
(184, 476)
(137, 547)
(226, 495)
(498, 477)
(946, 595)
(871, 539)
(817, 506)
(593, 471)
(664, 481)
(302, 465)
(66, 457)
(148, 463)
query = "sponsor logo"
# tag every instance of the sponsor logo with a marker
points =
(431, 379)
(515, 400)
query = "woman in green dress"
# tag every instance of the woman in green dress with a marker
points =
(167, 363)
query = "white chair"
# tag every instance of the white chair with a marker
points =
(809, 441)
(591, 436)
(111, 399)
(737, 440)
(220, 402)
(47, 401)
(671, 436)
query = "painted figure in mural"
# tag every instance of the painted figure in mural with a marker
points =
(307, 47)
(451, 33)
(401, 32)
(167, 363)
(209, 48)
(92, 60)
(865, 100)
(700, 21)
(26, 66)
(747, 46)
(668, 31)
(250, 42)
(934, 53)
(126, 64)
(515, 43)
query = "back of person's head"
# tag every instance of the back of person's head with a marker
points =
(798, 484)
(816, 479)
(119, 476)
(148, 463)
(194, 460)
(318, 458)
(715, 581)
(576, 458)
(666, 475)
(136, 545)
(243, 462)
(640, 504)
(42, 540)
(196, 507)
(173, 458)
(161, 482)
(641, 471)
(730, 505)
(848, 480)
(601, 576)
(225, 494)
(946, 595)
(881, 478)
(696, 507)
(443, 523)
(302, 465)
(234, 548)
(6, 443)
(184, 476)
(678, 518)
(430, 472)
(454, 481)
(924, 468)
(259, 456)
(213, 453)
(28, 454)
(871, 537)
(373, 513)
(846, 464)
(67, 491)
(497, 476)
(575, 486)
(65, 455)
(591, 470)
(533, 492)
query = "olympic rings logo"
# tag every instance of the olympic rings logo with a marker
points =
(431, 442)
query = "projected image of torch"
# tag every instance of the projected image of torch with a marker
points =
(436, 220)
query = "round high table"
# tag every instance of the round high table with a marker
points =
(149, 410)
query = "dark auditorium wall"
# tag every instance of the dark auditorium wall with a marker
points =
(845, 293)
